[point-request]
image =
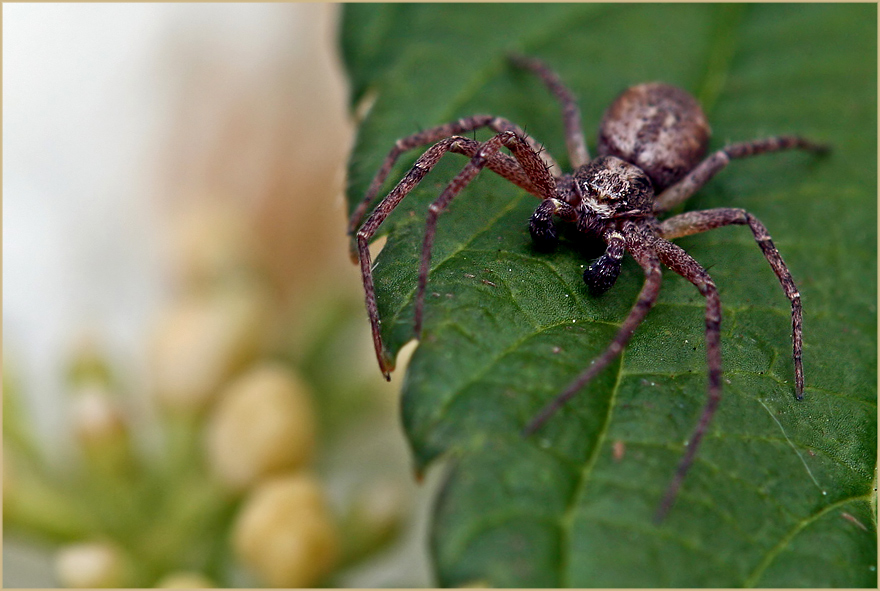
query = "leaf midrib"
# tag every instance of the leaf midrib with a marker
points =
(567, 519)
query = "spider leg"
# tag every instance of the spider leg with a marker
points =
(682, 263)
(531, 164)
(713, 164)
(694, 222)
(501, 164)
(571, 114)
(421, 168)
(435, 134)
(640, 245)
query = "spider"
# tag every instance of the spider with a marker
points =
(652, 145)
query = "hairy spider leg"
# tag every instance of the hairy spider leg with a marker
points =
(502, 164)
(694, 222)
(713, 164)
(435, 134)
(674, 257)
(531, 164)
(640, 243)
(571, 114)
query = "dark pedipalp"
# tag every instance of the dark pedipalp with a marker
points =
(544, 233)
(602, 274)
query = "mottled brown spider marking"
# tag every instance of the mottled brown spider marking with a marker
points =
(653, 138)
(659, 128)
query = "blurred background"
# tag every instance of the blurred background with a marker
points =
(190, 393)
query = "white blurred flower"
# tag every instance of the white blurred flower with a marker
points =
(285, 533)
(90, 564)
(202, 339)
(263, 423)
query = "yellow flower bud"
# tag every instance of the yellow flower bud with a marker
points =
(380, 508)
(211, 238)
(285, 533)
(101, 428)
(97, 418)
(373, 519)
(88, 362)
(203, 339)
(185, 580)
(91, 564)
(263, 423)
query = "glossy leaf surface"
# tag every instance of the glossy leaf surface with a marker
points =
(782, 491)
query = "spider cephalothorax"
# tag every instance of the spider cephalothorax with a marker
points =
(598, 197)
(652, 143)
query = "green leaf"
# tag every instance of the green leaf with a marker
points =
(783, 492)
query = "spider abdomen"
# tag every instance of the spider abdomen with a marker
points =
(659, 128)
